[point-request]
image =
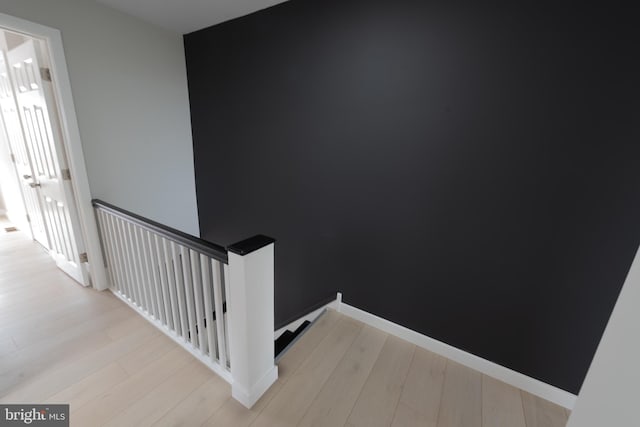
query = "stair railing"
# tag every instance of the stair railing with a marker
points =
(215, 302)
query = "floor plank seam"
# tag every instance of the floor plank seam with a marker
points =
(482, 400)
(441, 392)
(329, 376)
(395, 410)
(364, 383)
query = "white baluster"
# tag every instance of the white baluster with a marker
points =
(216, 269)
(188, 281)
(131, 263)
(180, 285)
(160, 260)
(142, 279)
(171, 284)
(117, 253)
(123, 259)
(153, 268)
(208, 308)
(225, 279)
(150, 280)
(197, 293)
(107, 247)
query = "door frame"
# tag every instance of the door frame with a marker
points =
(71, 140)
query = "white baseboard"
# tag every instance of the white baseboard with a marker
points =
(249, 397)
(509, 376)
(335, 305)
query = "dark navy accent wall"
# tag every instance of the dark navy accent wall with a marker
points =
(470, 171)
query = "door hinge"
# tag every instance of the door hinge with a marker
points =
(84, 257)
(66, 174)
(28, 218)
(45, 74)
(13, 158)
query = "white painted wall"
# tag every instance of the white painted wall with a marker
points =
(130, 90)
(609, 394)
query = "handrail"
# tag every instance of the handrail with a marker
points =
(183, 284)
(207, 248)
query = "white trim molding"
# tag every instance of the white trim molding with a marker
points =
(71, 138)
(504, 374)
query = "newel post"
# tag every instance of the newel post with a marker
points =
(250, 318)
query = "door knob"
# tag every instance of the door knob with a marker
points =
(26, 176)
(34, 184)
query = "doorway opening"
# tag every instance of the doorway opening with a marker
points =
(36, 181)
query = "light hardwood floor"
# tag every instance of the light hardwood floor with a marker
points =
(61, 343)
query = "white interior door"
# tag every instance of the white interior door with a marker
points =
(21, 158)
(37, 109)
